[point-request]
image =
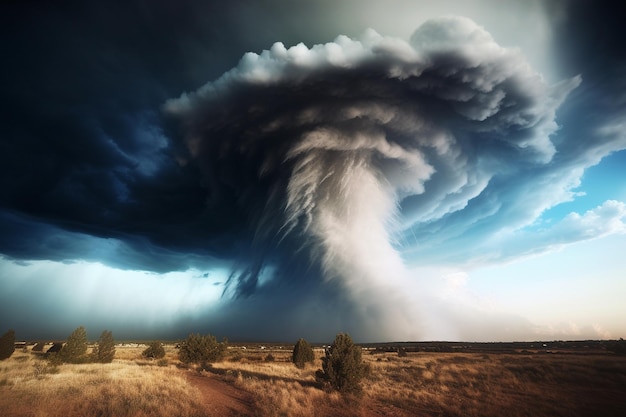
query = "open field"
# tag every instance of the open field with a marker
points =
(419, 384)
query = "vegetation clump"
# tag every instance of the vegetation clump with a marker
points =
(302, 353)
(155, 350)
(104, 352)
(7, 344)
(202, 349)
(342, 366)
(75, 348)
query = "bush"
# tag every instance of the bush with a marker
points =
(302, 353)
(75, 349)
(342, 366)
(43, 368)
(270, 358)
(7, 344)
(206, 349)
(155, 350)
(104, 351)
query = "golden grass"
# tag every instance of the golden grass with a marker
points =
(132, 351)
(441, 384)
(494, 385)
(279, 387)
(421, 384)
(30, 387)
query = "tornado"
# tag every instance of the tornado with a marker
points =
(335, 154)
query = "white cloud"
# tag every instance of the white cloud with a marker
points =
(606, 219)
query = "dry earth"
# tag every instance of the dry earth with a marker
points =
(222, 399)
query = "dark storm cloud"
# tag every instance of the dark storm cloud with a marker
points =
(335, 163)
(318, 147)
(82, 142)
(84, 147)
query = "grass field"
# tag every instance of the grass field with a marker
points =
(420, 384)
(29, 386)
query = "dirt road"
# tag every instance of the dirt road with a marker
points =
(222, 399)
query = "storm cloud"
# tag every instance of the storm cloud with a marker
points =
(334, 152)
(318, 177)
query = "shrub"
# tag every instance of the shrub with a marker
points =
(197, 348)
(302, 353)
(7, 344)
(270, 358)
(155, 350)
(342, 366)
(104, 351)
(43, 368)
(75, 349)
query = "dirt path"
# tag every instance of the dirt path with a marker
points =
(220, 398)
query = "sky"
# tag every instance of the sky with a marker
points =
(270, 170)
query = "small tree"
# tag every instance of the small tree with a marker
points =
(104, 351)
(302, 353)
(342, 366)
(7, 344)
(75, 349)
(155, 350)
(197, 349)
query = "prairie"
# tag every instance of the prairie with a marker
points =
(29, 386)
(420, 384)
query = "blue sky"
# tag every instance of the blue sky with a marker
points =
(396, 170)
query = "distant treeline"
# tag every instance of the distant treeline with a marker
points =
(573, 346)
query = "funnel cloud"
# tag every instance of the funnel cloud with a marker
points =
(371, 184)
(334, 152)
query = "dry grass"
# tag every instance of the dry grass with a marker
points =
(30, 387)
(132, 352)
(494, 385)
(440, 384)
(421, 384)
(282, 389)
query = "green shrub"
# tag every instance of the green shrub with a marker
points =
(302, 353)
(155, 350)
(342, 366)
(206, 349)
(7, 344)
(104, 352)
(75, 349)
